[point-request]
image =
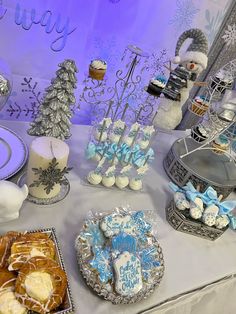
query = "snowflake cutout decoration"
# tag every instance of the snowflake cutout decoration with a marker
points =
(230, 35)
(106, 49)
(50, 176)
(101, 262)
(184, 14)
(93, 235)
(155, 63)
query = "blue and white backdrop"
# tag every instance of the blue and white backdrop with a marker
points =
(36, 35)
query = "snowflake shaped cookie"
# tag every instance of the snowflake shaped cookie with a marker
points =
(93, 234)
(101, 262)
(148, 258)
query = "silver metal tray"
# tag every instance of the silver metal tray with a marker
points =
(67, 306)
(84, 254)
(13, 153)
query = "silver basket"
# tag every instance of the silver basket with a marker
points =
(67, 306)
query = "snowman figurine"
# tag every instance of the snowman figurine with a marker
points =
(181, 80)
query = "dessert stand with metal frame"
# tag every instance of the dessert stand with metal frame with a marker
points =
(193, 158)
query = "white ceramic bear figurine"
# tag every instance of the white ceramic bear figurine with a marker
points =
(11, 199)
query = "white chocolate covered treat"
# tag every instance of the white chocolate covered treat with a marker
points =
(115, 138)
(209, 215)
(144, 144)
(196, 208)
(222, 221)
(94, 178)
(122, 181)
(135, 184)
(100, 137)
(108, 181)
(180, 201)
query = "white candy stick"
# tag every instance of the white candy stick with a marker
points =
(180, 201)
(196, 208)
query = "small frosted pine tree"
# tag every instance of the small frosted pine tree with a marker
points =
(53, 118)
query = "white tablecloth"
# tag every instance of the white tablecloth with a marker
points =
(196, 269)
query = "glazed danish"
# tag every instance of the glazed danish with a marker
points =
(29, 245)
(5, 246)
(41, 285)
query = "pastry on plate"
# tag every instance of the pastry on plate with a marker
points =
(41, 285)
(29, 245)
(8, 301)
(6, 241)
(7, 279)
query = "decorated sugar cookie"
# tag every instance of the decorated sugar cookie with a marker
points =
(128, 274)
(124, 242)
(113, 224)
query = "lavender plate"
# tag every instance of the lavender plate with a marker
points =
(13, 153)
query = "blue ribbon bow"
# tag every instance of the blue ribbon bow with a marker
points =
(209, 197)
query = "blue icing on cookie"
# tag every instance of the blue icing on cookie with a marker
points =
(124, 242)
(128, 274)
(114, 224)
(101, 262)
(142, 227)
(148, 260)
(93, 234)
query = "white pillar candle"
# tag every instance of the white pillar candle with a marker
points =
(42, 151)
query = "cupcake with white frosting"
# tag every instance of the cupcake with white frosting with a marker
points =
(156, 85)
(97, 69)
(220, 144)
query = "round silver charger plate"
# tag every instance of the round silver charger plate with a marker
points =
(65, 188)
(203, 168)
(106, 291)
(13, 153)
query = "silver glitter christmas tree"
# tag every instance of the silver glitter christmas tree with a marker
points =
(54, 114)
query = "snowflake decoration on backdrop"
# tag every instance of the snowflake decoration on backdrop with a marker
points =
(213, 22)
(106, 49)
(184, 14)
(230, 35)
(155, 63)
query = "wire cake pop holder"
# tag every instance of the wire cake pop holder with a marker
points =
(205, 156)
(122, 151)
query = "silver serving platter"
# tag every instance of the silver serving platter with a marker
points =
(67, 306)
(13, 153)
(84, 254)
